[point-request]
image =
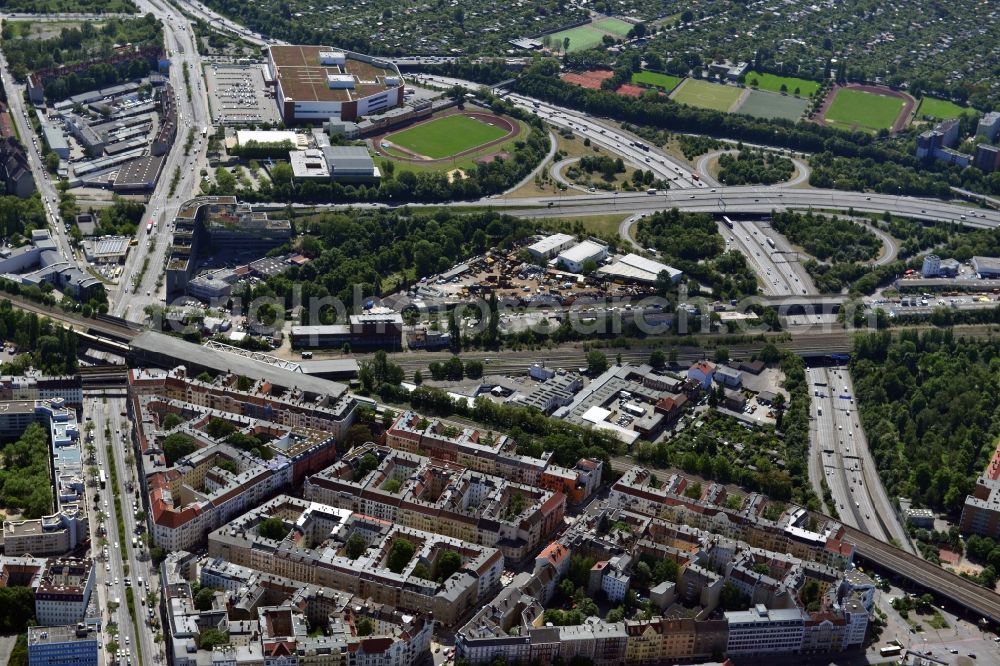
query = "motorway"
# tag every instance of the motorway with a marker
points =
(218, 21)
(605, 135)
(839, 451)
(779, 270)
(749, 199)
(137, 288)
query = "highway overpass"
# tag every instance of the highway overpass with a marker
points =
(804, 304)
(754, 200)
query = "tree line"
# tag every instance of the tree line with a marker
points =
(827, 238)
(381, 250)
(41, 343)
(542, 81)
(843, 160)
(754, 167)
(25, 480)
(773, 460)
(533, 431)
(691, 242)
(927, 405)
(74, 44)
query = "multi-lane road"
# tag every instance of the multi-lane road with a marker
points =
(33, 148)
(777, 265)
(839, 453)
(138, 287)
(125, 563)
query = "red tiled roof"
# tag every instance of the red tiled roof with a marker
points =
(555, 552)
(705, 367)
(281, 648)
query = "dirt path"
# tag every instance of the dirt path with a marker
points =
(677, 89)
(739, 100)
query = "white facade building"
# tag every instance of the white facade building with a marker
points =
(765, 631)
(575, 257)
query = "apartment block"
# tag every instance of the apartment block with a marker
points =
(64, 592)
(274, 619)
(634, 492)
(313, 552)
(67, 527)
(981, 512)
(42, 387)
(418, 492)
(492, 454)
(764, 631)
(270, 440)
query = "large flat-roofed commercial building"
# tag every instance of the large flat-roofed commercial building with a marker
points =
(219, 222)
(317, 83)
(550, 246)
(268, 137)
(575, 257)
(58, 646)
(350, 164)
(344, 164)
(634, 268)
(371, 330)
(986, 267)
(139, 174)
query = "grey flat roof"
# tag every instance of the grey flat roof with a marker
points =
(54, 137)
(329, 365)
(349, 158)
(185, 353)
(141, 171)
(991, 264)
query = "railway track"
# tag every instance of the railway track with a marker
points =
(978, 600)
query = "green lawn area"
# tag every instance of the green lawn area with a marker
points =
(863, 109)
(600, 225)
(581, 38)
(941, 109)
(613, 26)
(446, 136)
(648, 78)
(763, 104)
(773, 83)
(706, 95)
(588, 36)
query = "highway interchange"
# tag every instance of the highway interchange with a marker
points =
(841, 453)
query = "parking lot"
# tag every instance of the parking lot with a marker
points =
(237, 95)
